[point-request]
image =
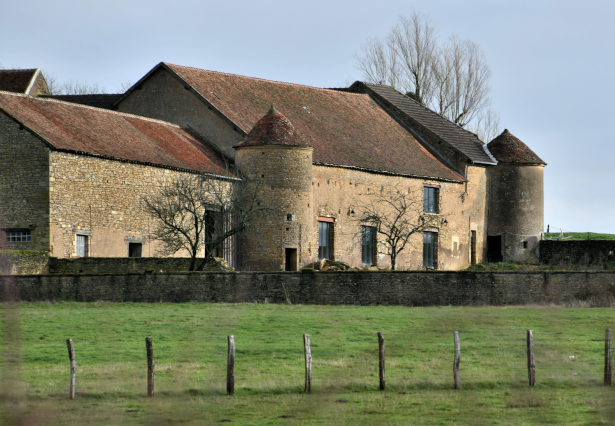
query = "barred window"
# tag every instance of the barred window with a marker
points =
(20, 236)
(430, 242)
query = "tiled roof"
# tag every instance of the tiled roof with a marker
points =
(509, 149)
(345, 129)
(86, 130)
(16, 81)
(274, 129)
(98, 100)
(459, 138)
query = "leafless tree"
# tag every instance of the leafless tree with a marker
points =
(486, 125)
(397, 213)
(198, 213)
(451, 79)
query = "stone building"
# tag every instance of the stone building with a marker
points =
(316, 160)
(72, 176)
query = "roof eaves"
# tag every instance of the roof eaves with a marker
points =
(388, 173)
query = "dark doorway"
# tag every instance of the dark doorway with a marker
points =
(134, 249)
(494, 249)
(473, 248)
(291, 259)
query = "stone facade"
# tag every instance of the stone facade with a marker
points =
(24, 186)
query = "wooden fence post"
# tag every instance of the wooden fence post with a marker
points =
(308, 363)
(607, 358)
(531, 368)
(73, 368)
(150, 366)
(381, 359)
(457, 360)
(230, 366)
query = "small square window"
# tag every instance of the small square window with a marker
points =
(19, 236)
(525, 244)
(430, 199)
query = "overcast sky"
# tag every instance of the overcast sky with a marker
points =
(552, 63)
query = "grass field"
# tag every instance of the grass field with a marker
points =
(190, 355)
(576, 236)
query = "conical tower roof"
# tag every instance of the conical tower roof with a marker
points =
(507, 148)
(274, 129)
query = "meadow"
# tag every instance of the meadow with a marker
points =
(190, 350)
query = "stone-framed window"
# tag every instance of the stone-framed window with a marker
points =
(18, 235)
(430, 250)
(135, 249)
(368, 245)
(325, 238)
(82, 242)
(431, 194)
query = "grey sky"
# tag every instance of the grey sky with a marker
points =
(552, 63)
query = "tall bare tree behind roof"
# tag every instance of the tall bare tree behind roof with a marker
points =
(451, 78)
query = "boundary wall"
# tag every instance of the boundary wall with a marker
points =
(422, 288)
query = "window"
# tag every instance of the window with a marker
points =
(430, 242)
(368, 237)
(213, 230)
(430, 199)
(135, 249)
(324, 240)
(19, 236)
(82, 246)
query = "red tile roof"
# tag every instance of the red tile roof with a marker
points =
(274, 129)
(16, 80)
(507, 148)
(87, 130)
(345, 129)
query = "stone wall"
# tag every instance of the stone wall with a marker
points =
(338, 192)
(24, 186)
(582, 253)
(102, 199)
(419, 288)
(24, 262)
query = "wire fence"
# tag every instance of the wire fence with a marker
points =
(278, 362)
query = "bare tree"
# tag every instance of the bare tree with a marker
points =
(397, 213)
(486, 126)
(199, 213)
(451, 79)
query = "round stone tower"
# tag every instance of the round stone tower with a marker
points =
(516, 201)
(278, 163)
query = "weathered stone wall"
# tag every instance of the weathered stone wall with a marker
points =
(419, 288)
(516, 210)
(24, 262)
(338, 192)
(102, 199)
(109, 265)
(583, 253)
(164, 97)
(24, 185)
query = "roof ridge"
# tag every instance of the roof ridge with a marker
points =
(103, 110)
(428, 109)
(328, 90)
(20, 69)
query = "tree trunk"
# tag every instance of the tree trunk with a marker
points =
(393, 257)
(192, 262)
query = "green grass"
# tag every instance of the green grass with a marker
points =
(190, 355)
(576, 236)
